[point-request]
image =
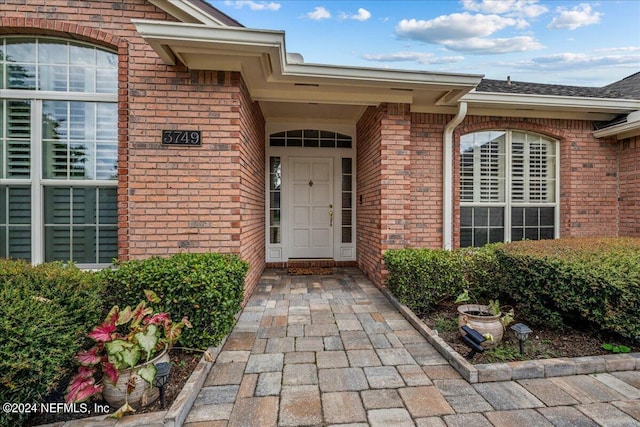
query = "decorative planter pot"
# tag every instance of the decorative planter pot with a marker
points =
(143, 394)
(479, 317)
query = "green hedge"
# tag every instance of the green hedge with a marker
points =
(207, 288)
(421, 278)
(551, 282)
(586, 280)
(45, 313)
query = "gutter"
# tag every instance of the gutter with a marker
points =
(570, 103)
(447, 223)
(630, 127)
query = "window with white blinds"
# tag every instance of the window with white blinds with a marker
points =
(58, 151)
(482, 167)
(507, 187)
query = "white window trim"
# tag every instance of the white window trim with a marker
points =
(508, 203)
(36, 182)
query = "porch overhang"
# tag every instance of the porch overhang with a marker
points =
(275, 78)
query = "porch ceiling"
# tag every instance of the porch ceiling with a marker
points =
(288, 88)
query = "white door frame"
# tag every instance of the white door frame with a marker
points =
(281, 250)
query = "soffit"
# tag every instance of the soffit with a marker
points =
(275, 82)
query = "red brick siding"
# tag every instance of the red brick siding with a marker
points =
(396, 180)
(427, 179)
(252, 197)
(629, 170)
(169, 199)
(384, 139)
(368, 200)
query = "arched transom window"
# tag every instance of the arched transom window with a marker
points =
(508, 187)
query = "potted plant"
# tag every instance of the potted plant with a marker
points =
(122, 363)
(489, 320)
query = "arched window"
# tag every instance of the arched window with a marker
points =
(507, 187)
(58, 151)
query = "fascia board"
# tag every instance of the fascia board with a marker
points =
(622, 130)
(160, 33)
(185, 33)
(410, 78)
(549, 101)
(186, 12)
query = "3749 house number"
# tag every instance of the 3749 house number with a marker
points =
(181, 137)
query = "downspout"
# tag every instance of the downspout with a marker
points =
(447, 227)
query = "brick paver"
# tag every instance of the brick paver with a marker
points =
(330, 350)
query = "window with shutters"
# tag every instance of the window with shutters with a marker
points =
(58, 151)
(508, 187)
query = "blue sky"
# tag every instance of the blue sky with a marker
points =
(584, 43)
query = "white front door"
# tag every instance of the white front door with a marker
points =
(311, 207)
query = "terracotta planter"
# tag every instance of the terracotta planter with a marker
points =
(142, 395)
(485, 324)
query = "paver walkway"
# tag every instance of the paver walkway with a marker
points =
(332, 350)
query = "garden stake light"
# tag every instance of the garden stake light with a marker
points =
(522, 332)
(162, 375)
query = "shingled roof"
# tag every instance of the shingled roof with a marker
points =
(627, 88)
(629, 85)
(215, 12)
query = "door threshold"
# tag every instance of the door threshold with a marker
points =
(311, 263)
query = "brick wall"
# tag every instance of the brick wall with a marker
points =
(252, 186)
(629, 170)
(427, 179)
(395, 163)
(170, 199)
(368, 233)
(383, 170)
(401, 183)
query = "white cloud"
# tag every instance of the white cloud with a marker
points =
(466, 32)
(574, 61)
(456, 26)
(319, 13)
(624, 49)
(253, 5)
(419, 57)
(520, 8)
(576, 17)
(483, 46)
(362, 15)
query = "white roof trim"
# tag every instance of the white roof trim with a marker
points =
(176, 34)
(185, 11)
(622, 130)
(262, 58)
(570, 103)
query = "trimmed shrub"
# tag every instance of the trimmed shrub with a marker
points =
(584, 280)
(45, 314)
(207, 288)
(420, 278)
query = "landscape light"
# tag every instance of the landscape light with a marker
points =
(522, 332)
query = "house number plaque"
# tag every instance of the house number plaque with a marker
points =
(181, 137)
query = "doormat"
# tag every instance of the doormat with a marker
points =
(307, 271)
